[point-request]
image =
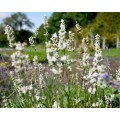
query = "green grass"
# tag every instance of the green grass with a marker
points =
(40, 52)
(113, 52)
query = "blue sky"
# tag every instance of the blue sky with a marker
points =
(35, 17)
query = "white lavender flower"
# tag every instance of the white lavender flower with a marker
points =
(55, 71)
(41, 80)
(9, 32)
(24, 89)
(19, 46)
(118, 74)
(62, 44)
(71, 43)
(55, 105)
(92, 90)
(45, 22)
(98, 103)
(36, 33)
(35, 62)
(19, 61)
(85, 58)
(64, 58)
(98, 68)
(37, 97)
(109, 99)
(78, 27)
(52, 49)
(32, 41)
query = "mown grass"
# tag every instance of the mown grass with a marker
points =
(113, 52)
(40, 52)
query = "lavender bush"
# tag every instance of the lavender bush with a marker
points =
(64, 81)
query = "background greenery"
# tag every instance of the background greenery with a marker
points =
(104, 23)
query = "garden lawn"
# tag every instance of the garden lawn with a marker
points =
(113, 52)
(40, 52)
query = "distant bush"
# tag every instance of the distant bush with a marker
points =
(3, 40)
(23, 35)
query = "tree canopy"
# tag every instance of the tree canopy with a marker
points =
(104, 23)
(107, 24)
(17, 21)
(84, 18)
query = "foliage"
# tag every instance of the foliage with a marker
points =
(84, 18)
(107, 25)
(17, 21)
(23, 36)
(104, 23)
(3, 39)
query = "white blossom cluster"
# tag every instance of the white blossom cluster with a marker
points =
(24, 89)
(45, 22)
(55, 105)
(85, 57)
(71, 42)
(52, 54)
(56, 44)
(33, 38)
(118, 74)
(35, 62)
(52, 50)
(84, 64)
(62, 44)
(19, 60)
(97, 70)
(32, 41)
(98, 103)
(109, 99)
(41, 75)
(46, 26)
(78, 27)
(10, 37)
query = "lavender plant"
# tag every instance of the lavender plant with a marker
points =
(62, 82)
(118, 74)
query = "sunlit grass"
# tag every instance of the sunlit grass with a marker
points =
(112, 52)
(40, 52)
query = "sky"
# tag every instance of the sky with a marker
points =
(35, 17)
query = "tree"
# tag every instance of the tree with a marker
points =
(3, 38)
(23, 35)
(107, 24)
(17, 21)
(70, 18)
